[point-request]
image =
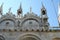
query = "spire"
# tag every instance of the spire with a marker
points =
(9, 10)
(2, 5)
(30, 9)
(20, 7)
(19, 11)
(43, 7)
(1, 9)
(43, 10)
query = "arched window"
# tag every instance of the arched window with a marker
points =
(7, 23)
(43, 12)
(30, 22)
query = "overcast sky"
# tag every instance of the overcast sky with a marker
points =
(51, 7)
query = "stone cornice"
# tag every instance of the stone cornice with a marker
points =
(20, 30)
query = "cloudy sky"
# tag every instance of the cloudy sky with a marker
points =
(50, 5)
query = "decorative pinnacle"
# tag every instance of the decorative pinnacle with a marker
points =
(20, 9)
(2, 5)
(30, 9)
(1, 8)
(20, 5)
(9, 10)
(43, 6)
